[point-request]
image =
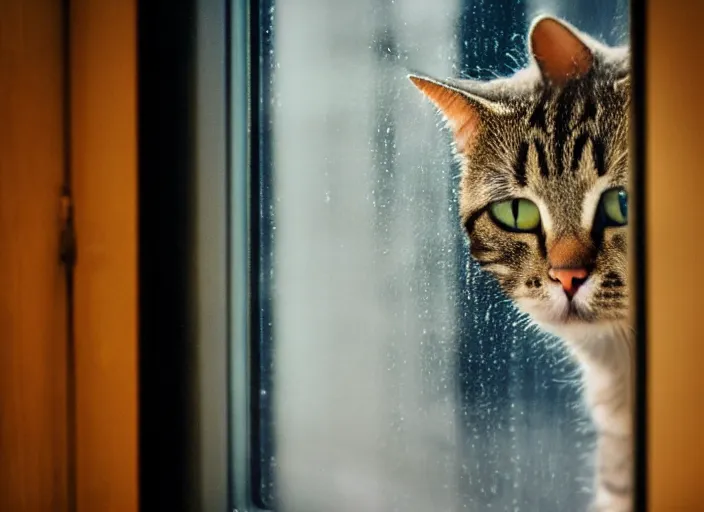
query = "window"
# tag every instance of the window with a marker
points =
(386, 372)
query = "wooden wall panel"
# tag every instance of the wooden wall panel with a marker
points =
(103, 72)
(32, 307)
(675, 194)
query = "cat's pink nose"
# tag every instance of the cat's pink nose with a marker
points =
(570, 278)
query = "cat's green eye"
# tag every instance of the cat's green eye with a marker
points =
(516, 214)
(614, 204)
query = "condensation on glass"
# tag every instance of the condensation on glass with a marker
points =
(393, 375)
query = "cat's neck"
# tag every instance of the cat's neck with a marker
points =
(605, 353)
(607, 345)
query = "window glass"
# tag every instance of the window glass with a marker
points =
(389, 372)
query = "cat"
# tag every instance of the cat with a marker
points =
(544, 202)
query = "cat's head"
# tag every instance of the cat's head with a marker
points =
(543, 192)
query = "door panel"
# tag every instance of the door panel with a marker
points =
(32, 307)
(104, 166)
(674, 188)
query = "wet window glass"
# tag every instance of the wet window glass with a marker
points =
(390, 373)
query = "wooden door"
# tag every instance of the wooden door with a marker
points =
(33, 474)
(675, 247)
(104, 168)
(34, 138)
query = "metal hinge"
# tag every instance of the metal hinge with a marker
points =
(67, 242)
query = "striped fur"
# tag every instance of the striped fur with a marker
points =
(561, 144)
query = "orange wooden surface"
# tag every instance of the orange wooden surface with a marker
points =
(675, 195)
(32, 328)
(103, 72)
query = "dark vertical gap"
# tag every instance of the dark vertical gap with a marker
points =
(68, 257)
(261, 248)
(254, 246)
(638, 243)
(228, 234)
(166, 81)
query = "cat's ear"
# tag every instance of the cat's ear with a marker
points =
(462, 110)
(560, 52)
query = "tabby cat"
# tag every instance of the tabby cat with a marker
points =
(543, 199)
